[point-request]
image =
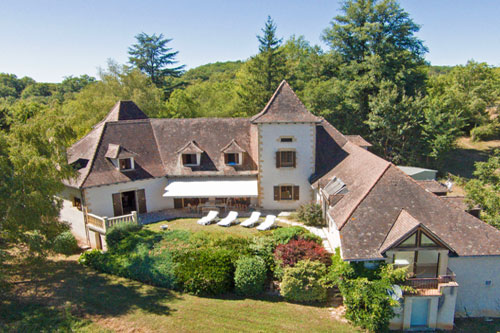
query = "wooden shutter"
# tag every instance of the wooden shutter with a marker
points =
(276, 193)
(184, 159)
(117, 204)
(177, 203)
(293, 158)
(295, 193)
(237, 158)
(278, 159)
(225, 158)
(141, 201)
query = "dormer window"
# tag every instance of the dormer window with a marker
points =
(233, 153)
(120, 157)
(189, 159)
(126, 164)
(232, 158)
(190, 154)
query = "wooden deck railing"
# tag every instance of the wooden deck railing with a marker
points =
(431, 283)
(104, 222)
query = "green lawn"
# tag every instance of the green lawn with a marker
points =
(102, 302)
(191, 225)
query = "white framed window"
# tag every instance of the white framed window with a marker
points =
(125, 164)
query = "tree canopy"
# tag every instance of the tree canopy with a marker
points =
(152, 56)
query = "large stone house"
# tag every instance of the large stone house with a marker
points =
(277, 160)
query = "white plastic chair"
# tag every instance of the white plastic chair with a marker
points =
(268, 223)
(229, 219)
(211, 216)
(250, 222)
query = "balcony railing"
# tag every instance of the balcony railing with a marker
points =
(103, 223)
(431, 283)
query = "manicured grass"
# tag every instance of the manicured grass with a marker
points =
(191, 225)
(108, 303)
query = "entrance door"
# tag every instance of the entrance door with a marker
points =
(129, 203)
(419, 312)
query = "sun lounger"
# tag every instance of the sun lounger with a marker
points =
(211, 216)
(268, 223)
(228, 220)
(250, 222)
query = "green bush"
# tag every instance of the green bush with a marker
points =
(157, 270)
(250, 276)
(489, 131)
(310, 214)
(284, 235)
(119, 232)
(304, 282)
(205, 271)
(65, 243)
(367, 302)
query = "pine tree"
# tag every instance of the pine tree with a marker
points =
(151, 55)
(261, 75)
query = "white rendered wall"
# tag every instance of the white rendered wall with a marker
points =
(71, 214)
(270, 176)
(475, 298)
(99, 199)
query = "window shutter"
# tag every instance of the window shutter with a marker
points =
(225, 158)
(294, 159)
(117, 204)
(237, 158)
(141, 200)
(276, 193)
(295, 193)
(278, 159)
(184, 158)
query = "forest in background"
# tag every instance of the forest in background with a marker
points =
(372, 80)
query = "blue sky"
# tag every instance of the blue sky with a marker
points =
(50, 39)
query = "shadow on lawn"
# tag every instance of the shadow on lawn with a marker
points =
(54, 283)
(460, 161)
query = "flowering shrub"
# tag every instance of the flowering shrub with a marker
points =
(300, 249)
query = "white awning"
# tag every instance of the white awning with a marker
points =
(211, 188)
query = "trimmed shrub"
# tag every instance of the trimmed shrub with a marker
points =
(205, 271)
(300, 249)
(65, 243)
(119, 232)
(310, 214)
(284, 235)
(489, 131)
(156, 270)
(90, 258)
(304, 282)
(250, 276)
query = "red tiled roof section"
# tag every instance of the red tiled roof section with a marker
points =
(284, 107)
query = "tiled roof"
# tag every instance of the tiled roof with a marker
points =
(125, 110)
(232, 148)
(190, 148)
(433, 186)
(284, 107)
(370, 222)
(213, 135)
(358, 140)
